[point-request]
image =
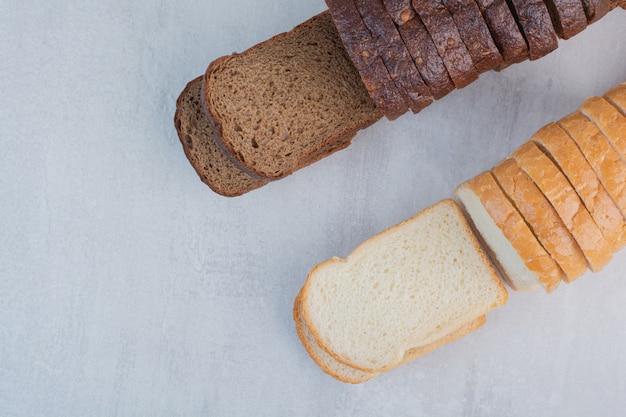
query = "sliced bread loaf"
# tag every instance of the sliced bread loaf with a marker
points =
(609, 120)
(535, 24)
(522, 260)
(566, 202)
(394, 53)
(603, 158)
(402, 289)
(541, 217)
(573, 164)
(474, 33)
(447, 39)
(311, 95)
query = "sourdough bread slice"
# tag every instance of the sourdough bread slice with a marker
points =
(395, 55)
(566, 202)
(278, 103)
(427, 60)
(361, 49)
(543, 220)
(609, 120)
(603, 158)
(196, 134)
(475, 34)
(522, 261)
(402, 289)
(447, 39)
(505, 31)
(535, 24)
(563, 151)
(568, 17)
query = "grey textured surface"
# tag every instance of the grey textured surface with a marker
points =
(128, 288)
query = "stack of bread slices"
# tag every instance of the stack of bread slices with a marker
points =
(548, 213)
(285, 103)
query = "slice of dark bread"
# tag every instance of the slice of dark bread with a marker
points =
(401, 11)
(475, 33)
(427, 60)
(596, 9)
(535, 24)
(394, 53)
(568, 17)
(504, 30)
(276, 105)
(360, 47)
(196, 134)
(445, 34)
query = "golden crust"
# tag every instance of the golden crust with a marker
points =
(558, 190)
(564, 152)
(542, 218)
(516, 230)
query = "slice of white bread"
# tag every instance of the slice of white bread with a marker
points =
(573, 164)
(566, 202)
(402, 289)
(522, 261)
(541, 217)
(603, 158)
(345, 373)
(609, 120)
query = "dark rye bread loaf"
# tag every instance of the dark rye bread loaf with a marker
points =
(195, 132)
(568, 17)
(276, 106)
(475, 33)
(535, 24)
(394, 53)
(401, 11)
(360, 47)
(504, 30)
(427, 60)
(445, 34)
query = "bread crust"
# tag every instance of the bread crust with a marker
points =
(504, 30)
(596, 9)
(427, 60)
(603, 158)
(515, 229)
(358, 42)
(571, 161)
(475, 34)
(568, 17)
(564, 199)
(447, 39)
(541, 217)
(395, 55)
(535, 24)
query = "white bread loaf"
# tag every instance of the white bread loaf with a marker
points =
(566, 202)
(522, 260)
(402, 289)
(603, 158)
(560, 147)
(541, 217)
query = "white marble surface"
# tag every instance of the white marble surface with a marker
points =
(128, 288)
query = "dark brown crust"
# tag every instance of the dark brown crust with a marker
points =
(568, 17)
(395, 55)
(447, 39)
(358, 42)
(596, 9)
(475, 33)
(401, 11)
(424, 53)
(504, 31)
(535, 24)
